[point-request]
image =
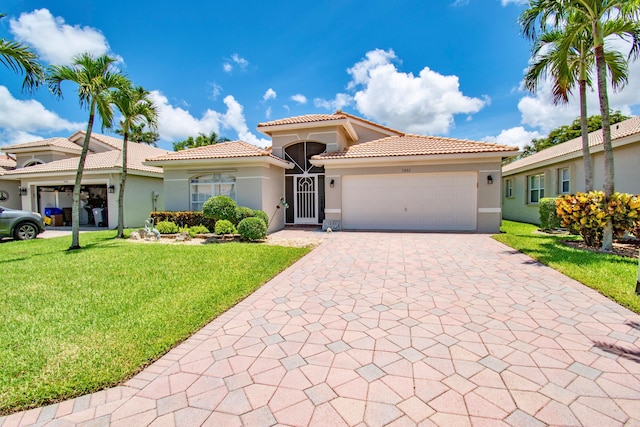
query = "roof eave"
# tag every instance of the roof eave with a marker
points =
(240, 161)
(346, 124)
(408, 159)
(40, 148)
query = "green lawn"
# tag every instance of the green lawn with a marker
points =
(613, 276)
(76, 322)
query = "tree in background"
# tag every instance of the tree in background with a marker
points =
(137, 109)
(568, 132)
(96, 78)
(568, 61)
(140, 135)
(199, 141)
(21, 59)
(617, 18)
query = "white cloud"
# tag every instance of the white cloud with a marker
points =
(216, 90)
(422, 104)
(460, 3)
(10, 137)
(338, 103)
(267, 113)
(30, 116)
(516, 2)
(55, 41)
(269, 94)
(176, 123)
(299, 98)
(517, 136)
(236, 59)
(227, 67)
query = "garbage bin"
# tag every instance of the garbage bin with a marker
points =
(97, 216)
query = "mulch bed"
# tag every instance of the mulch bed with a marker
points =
(626, 248)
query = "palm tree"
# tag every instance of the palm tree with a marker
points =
(96, 77)
(598, 18)
(138, 133)
(137, 109)
(566, 59)
(21, 59)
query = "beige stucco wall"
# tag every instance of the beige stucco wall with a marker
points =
(488, 200)
(627, 180)
(257, 187)
(333, 136)
(11, 187)
(44, 157)
(366, 134)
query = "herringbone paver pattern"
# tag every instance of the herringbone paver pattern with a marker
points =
(391, 329)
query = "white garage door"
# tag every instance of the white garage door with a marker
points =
(442, 201)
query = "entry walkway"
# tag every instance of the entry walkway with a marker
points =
(391, 329)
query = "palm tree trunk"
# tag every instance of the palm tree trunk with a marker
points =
(584, 127)
(75, 212)
(123, 180)
(607, 236)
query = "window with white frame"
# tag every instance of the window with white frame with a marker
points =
(204, 187)
(564, 181)
(536, 188)
(508, 188)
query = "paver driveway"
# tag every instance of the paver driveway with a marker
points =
(400, 329)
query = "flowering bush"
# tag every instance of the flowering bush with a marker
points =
(587, 214)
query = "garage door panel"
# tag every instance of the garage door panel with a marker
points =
(410, 202)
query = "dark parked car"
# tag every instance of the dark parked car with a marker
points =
(21, 225)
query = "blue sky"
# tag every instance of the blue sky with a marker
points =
(438, 67)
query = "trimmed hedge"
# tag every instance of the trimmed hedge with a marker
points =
(167, 227)
(262, 215)
(548, 217)
(225, 227)
(252, 228)
(220, 207)
(243, 212)
(184, 218)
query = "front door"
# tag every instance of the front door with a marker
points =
(306, 199)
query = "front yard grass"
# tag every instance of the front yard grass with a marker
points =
(611, 275)
(76, 322)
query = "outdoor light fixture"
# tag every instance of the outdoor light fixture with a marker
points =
(489, 179)
(332, 183)
(112, 188)
(23, 191)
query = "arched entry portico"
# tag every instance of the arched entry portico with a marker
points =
(304, 184)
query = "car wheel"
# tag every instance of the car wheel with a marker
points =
(25, 231)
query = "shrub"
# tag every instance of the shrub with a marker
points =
(220, 207)
(196, 229)
(587, 214)
(184, 218)
(252, 229)
(167, 227)
(243, 212)
(262, 215)
(548, 217)
(225, 227)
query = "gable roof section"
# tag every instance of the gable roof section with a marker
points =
(108, 160)
(109, 141)
(573, 148)
(6, 162)
(315, 120)
(222, 150)
(414, 145)
(50, 143)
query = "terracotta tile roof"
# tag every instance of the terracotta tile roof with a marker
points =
(619, 130)
(6, 162)
(223, 150)
(313, 118)
(44, 143)
(107, 140)
(415, 145)
(112, 159)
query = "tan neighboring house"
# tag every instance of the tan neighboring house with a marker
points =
(45, 170)
(9, 189)
(346, 172)
(560, 170)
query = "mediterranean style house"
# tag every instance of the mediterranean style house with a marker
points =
(39, 176)
(343, 171)
(560, 170)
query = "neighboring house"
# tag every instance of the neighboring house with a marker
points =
(45, 172)
(560, 170)
(9, 192)
(343, 171)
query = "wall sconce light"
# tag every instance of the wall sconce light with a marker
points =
(112, 188)
(23, 191)
(332, 183)
(489, 179)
